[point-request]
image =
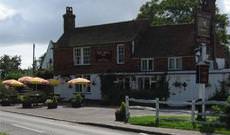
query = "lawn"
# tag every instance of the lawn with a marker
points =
(1, 133)
(177, 122)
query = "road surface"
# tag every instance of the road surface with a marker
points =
(16, 124)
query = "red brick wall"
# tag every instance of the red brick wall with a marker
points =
(63, 62)
(188, 63)
(161, 64)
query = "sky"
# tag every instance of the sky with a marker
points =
(24, 22)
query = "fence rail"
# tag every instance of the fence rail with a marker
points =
(157, 103)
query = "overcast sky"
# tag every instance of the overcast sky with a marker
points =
(24, 22)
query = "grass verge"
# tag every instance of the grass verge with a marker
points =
(179, 122)
(1, 133)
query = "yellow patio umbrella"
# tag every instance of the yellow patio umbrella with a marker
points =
(25, 79)
(54, 82)
(33, 80)
(38, 80)
(79, 81)
(13, 83)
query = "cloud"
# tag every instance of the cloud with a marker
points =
(6, 12)
(227, 6)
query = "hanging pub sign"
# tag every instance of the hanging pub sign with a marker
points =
(203, 26)
(103, 55)
(202, 73)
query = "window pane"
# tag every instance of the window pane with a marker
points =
(144, 65)
(86, 55)
(121, 54)
(171, 63)
(178, 63)
(147, 84)
(78, 88)
(77, 55)
(150, 65)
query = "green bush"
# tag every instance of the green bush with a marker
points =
(114, 93)
(207, 128)
(226, 111)
(120, 114)
(51, 100)
(77, 98)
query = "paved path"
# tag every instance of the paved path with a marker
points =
(96, 116)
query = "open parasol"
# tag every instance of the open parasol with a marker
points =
(79, 81)
(13, 83)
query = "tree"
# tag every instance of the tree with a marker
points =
(167, 12)
(9, 64)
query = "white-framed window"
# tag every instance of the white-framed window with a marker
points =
(146, 82)
(120, 54)
(174, 63)
(147, 64)
(81, 87)
(81, 56)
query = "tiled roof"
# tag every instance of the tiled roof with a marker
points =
(166, 41)
(103, 34)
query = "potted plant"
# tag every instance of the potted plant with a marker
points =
(120, 114)
(52, 103)
(76, 101)
(5, 101)
(26, 101)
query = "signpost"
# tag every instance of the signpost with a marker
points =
(203, 38)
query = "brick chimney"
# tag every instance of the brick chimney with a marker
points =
(69, 20)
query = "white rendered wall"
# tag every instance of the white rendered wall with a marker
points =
(66, 92)
(190, 91)
(48, 56)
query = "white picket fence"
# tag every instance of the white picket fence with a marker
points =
(157, 110)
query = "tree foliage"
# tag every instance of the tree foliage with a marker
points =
(8, 63)
(167, 12)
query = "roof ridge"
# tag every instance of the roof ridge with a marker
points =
(112, 23)
(172, 25)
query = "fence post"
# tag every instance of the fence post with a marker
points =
(157, 112)
(193, 112)
(203, 110)
(127, 108)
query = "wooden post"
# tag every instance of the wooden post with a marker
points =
(193, 112)
(203, 110)
(127, 108)
(157, 112)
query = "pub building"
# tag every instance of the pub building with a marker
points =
(138, 55)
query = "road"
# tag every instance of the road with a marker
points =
(16, 124)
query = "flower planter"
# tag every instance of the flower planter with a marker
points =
(52, 105)
(27, 105)
(5, 103)
(119, 116)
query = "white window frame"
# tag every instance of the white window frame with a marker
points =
(118, 55)
(81, 56)
(175, 66)
(148, 68)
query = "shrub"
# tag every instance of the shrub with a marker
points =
(114, 93)
(76, 101)
(207, 128)
(51, 100)
(120, 114)
(226, 111)
(26, 101)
